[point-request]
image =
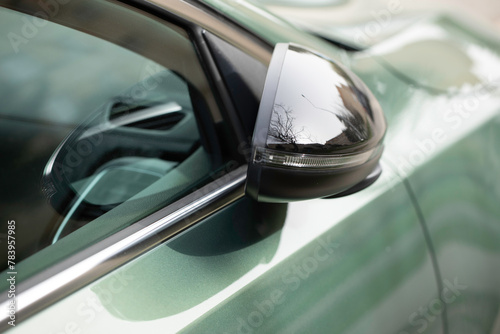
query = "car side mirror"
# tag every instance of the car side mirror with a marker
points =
(319, 131)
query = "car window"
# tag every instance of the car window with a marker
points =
(100, 119)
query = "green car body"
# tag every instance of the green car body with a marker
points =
(416, 252)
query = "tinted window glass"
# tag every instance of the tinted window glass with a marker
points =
(99, 123)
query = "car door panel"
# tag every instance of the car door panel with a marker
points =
(458, 192)
(326, 269)
(445, 145)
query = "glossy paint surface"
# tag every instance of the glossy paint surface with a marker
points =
(455, 162)
(445, 142)
(324, 264)
(442, 55)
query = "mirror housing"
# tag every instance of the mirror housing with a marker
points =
(319, 130)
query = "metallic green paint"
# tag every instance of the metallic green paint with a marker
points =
(324, 269)
(446, 143)
(458, 192)
(441, 54)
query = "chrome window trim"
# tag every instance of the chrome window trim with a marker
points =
(199, 14)
(73, 273)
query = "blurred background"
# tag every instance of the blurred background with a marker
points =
(342, 17)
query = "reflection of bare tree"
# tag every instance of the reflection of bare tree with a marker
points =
(282, 126)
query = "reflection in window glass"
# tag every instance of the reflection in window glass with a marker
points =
(95, 136)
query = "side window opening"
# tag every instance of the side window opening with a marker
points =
(98, 136)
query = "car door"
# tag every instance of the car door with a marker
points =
(101, 127)
(464, 225)
(202, 256)
(457, 190)
(448, 153)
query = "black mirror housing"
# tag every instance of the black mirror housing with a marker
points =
(319, 131)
